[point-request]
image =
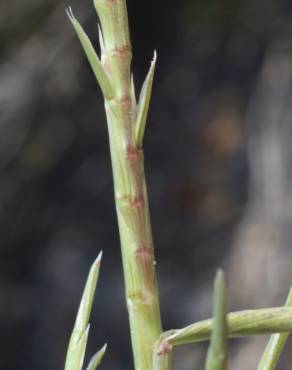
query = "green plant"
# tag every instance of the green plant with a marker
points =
(126, 118)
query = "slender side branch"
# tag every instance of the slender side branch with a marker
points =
(275, 345)
(241, 323)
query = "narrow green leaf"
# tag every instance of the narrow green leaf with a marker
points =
(275, 345)
(92, 57)
(76, 351)
(78, 339)
(96, 359)
(218, 348)
(88, 295)
(143, 104)
(240, 324)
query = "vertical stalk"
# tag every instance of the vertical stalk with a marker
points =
(129, 184)
(162, 356)
(275, 345)
(218, 348)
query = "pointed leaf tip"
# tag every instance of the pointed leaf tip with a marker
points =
(97, 358)
(70, 15)
(88, 295)
(220, 276)
(69, 12)
(99, 257)
(144, 101)
(78, 340)
(92, 57)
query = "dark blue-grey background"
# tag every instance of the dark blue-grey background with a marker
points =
(218, 165)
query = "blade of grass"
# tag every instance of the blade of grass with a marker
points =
(143, 103)
(218, 348)
(92, 57)
(78, 339)
(96, 359)
(275, 345)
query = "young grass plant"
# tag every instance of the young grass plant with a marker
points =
(126, 121)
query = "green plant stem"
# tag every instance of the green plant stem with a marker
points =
(126, 122)
(129, 184)
(162, 357)
(241, 323)
(275, 345)
(218, 348)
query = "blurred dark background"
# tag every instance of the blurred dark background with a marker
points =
(218, 159)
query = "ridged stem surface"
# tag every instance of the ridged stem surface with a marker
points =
(129, 185)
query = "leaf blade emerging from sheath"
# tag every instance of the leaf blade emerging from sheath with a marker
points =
(143, 104)
(92, 57)
(76, 351)
(78, 339)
